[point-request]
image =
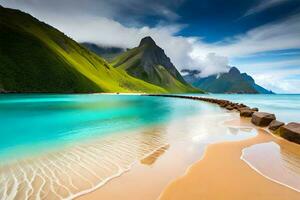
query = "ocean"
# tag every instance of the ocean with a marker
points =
(286, 107)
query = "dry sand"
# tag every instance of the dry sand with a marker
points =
(221, 174)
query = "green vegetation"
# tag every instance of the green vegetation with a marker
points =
(149, 63)
(35, 57)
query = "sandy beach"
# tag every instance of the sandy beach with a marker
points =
(220, 174)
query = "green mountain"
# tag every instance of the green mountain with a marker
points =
(149, 63)
(35, 57)
(108, 53)
(230, 82)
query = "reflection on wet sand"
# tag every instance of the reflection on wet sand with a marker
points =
(278, 160)
(221, 174)
(150, 160)
(235, 131)
(291, 159)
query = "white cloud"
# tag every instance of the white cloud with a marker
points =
(210, 64)
(281, 81)
(281, 76)
(280, 35)
(263, 5)
(272, 65)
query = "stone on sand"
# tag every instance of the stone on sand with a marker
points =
(291, 132)
(246, 113)
(274, 125)
(262, 118)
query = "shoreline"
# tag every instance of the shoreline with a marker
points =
(108, 179)
(146, 180)
(137, 173)
(200, 173)
(267, 177)
(272, 136)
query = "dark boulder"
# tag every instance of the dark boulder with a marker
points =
(246, 113)
(223, 105)
(274, 125)
(229, 107)
(243, 108)
(262, 118)
(291, 132)
(236, 106)
(254, 109)
(243, 105)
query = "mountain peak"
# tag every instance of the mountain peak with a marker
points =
(231, 82)
(149, 62)
(234, 70)
(147, 40)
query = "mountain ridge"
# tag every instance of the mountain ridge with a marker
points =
(231, 82)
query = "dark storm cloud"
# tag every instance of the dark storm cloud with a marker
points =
(129, 10)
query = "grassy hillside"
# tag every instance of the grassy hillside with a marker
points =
(149, 63)
(35, 57)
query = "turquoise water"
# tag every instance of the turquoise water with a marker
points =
(63, 146)
(37, 122)
(285, 106)
(31, 123)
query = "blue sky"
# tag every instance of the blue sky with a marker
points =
(260, 37)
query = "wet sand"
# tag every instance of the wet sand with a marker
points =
(221, 174)
(147, 178)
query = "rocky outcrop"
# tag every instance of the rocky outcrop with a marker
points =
(274, 125)
(291, 132)
(262, 118)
